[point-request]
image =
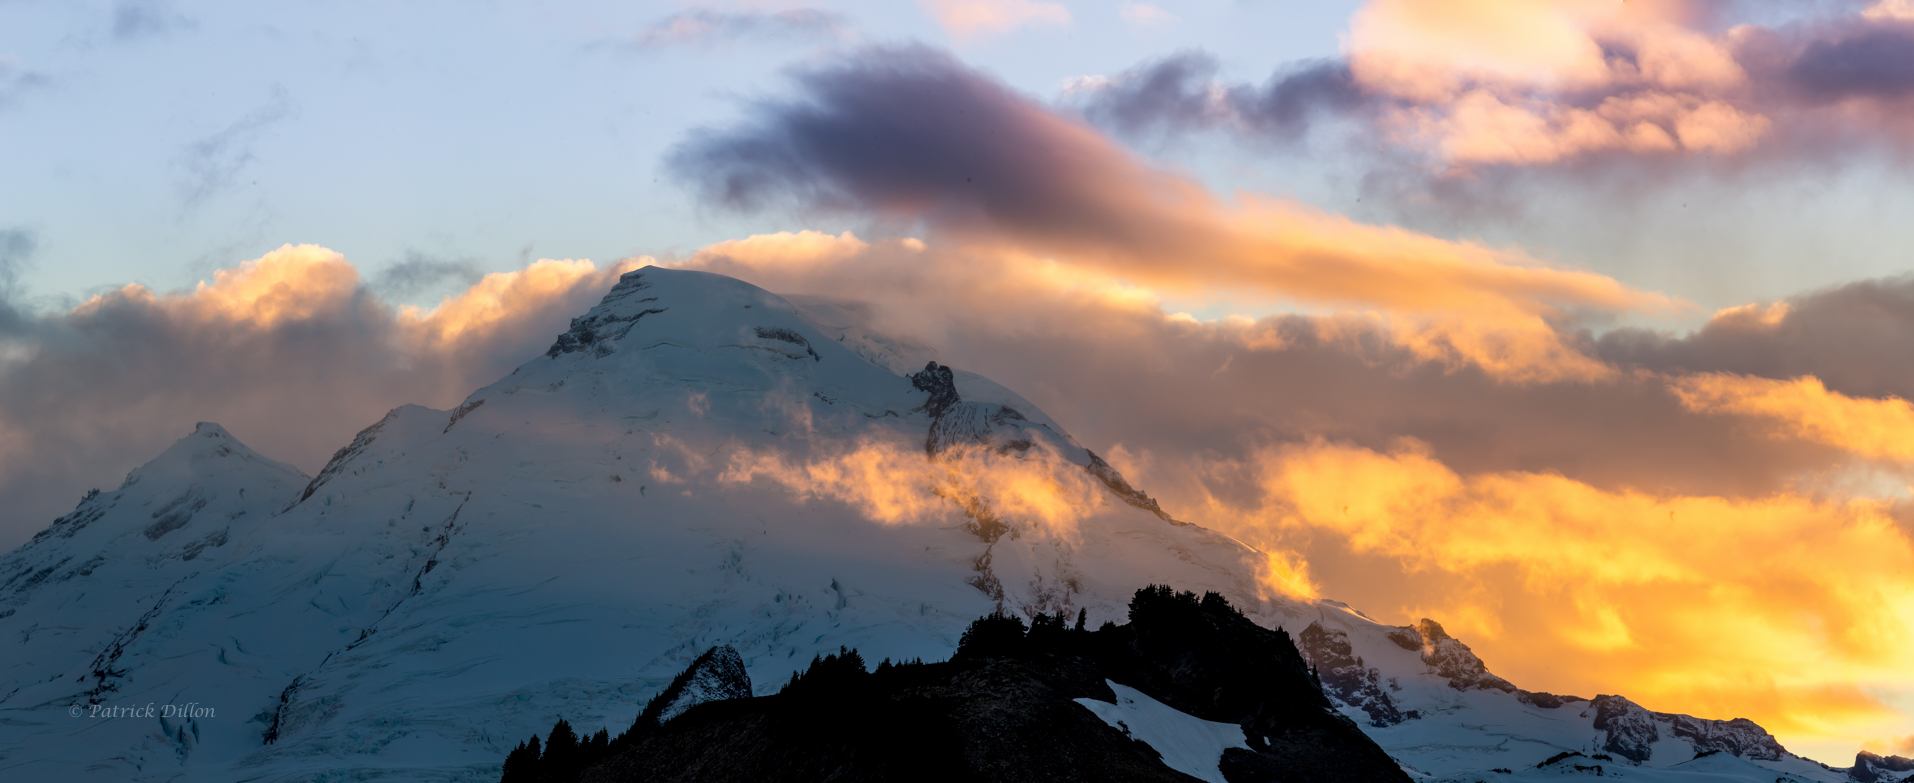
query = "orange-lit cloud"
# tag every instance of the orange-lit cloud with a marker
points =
(1755, 607)
(293, 283)
(1804, 408)
(1506, 81)
(893, 482)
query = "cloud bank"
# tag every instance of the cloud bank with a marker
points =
(290, 350)
(1523, 84)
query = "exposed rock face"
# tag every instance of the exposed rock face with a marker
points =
(1631, 732)
(1545, 700)
(1873, 768)
(1406, 637)
(599, 330)
(1345, 678)
(1128, 494)
(1454, 661)
(716, 675)
(941, 384)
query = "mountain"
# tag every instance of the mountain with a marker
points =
(693, 463)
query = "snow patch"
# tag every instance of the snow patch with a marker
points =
(1188, 744)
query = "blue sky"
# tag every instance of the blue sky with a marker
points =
(153, 142)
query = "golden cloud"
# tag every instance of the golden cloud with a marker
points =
(1763, 608)
(1804, 408)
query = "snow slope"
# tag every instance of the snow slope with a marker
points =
(693, 463)
(1188, 744)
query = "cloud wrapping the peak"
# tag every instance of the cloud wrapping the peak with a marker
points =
(912, 136)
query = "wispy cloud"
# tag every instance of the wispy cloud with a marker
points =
(16, 81)
(213, 163)
(708, 27)
(137, 19)
(420, 273)
(967, 19)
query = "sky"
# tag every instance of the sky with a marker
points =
(1581, 326)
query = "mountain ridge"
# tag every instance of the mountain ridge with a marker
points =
(691, 463)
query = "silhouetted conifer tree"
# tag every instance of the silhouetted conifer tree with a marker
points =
(521, 765)
(842, 669)
(992, 635)
(1083, 616)
(561, 753)
(1046, 630)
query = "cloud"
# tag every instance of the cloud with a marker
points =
(135, 19)
(419, 273)
(1144, 15)
(1179, 94)
(213, 163)
(17, 248)
(707, 26)
(967, 19)
(16, 81)
(1857, 339)
(1732, 628)
(1557, 84)
(290, 350)
(1804, 408)
(891, 482)
(910, 135)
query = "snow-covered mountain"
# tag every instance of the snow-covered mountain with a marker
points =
(694, 463)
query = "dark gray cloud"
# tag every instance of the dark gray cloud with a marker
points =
(136, 19)
(420, 273)
(911, 133)
(213, 163)
(706, 26)
(1857, 338)
(1180, 94)
(1872, 63)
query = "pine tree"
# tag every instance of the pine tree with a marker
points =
(1083, 616)
(561, 753)
(521, 765)
(992, 635)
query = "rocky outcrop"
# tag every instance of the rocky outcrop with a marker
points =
(784, 335)
(1874, 768)
(1009, 706)
(1122, 489)
(716, 675)
(1545, 700)
(1631, 732)
(1452, 660)
(1346, 679)
(599, 330)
